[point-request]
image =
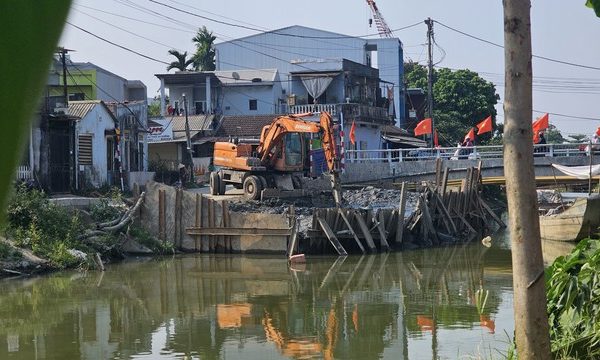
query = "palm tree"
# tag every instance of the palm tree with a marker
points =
(204, 58)
(181, 63)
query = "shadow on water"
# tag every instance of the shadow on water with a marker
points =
(414, 304)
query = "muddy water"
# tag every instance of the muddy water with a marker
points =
(418, 304)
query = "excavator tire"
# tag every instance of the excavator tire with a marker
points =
(252, 187)
(215, 182)
(222, 185)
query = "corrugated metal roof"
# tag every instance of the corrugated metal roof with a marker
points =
(232, 77)
(80, 109)
(244, 126)
(196, 122)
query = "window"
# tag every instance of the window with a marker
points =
(85, 149)
(293, 149)
(253, 104)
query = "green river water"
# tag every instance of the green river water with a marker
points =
(418, 304)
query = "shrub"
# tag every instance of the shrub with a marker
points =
(573, 284)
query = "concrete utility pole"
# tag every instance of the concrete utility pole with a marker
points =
(429, 23)
(531, 320)
(188, 139)
(63, 57)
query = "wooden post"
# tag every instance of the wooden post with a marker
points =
(331, 236)
(381, 228)
(532, 333)
(177, 235)
(161, 215)
(226, 224)
(365, 230)
(345, 218)
(197, 220)
(294, 236)
(401, 210)
(211, 224)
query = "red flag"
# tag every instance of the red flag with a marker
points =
(484, 126)
(470, 135)
(436, 141)
(353, 133)
(598, 131)
(423, 127)
(541, 123)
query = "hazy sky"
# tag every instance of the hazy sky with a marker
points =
(564, 30)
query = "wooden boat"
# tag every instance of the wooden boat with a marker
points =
(573, 224)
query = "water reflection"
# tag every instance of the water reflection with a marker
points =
(417, 305)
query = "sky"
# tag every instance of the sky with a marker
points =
(561, 30)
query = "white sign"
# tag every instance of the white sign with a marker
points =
(162, 132)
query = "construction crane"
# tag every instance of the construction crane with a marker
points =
(382, 27)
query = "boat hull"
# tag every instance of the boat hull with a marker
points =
(577, 222)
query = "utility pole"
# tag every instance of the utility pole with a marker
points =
(532, 334)
(188, 140)
(429, 23)
(63, 57)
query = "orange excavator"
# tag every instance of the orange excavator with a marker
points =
(277, 165)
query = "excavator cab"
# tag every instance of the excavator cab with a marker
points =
(292, 154)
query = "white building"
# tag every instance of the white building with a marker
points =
(301, 49)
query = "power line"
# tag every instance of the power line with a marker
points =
(132, 19)
(502, 47)
(252, 28)
(117, 45)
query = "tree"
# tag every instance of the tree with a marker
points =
(532, 334)
(594, 4)
(578, 138)
(461, 99)
(204, 58)
(181, 63)
(553, 135)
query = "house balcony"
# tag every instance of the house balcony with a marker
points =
(357, 112)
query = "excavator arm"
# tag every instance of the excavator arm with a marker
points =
(272, 135)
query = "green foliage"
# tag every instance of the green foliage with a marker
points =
(31, 30)
(461, 99)
(553, 135)
(7, 252)
(182, 61)
(47, 229)
(577, 138)
(24, 205)
(594, 4)
(573, 291)
(143, 237)
(108, 208)
(154, 109)
(204, 58)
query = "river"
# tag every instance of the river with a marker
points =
(419, 304)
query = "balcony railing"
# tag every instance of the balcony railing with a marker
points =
(357, 111)
(455, 153)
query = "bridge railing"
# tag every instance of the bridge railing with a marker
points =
(456, 153)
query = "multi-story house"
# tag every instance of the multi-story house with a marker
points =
(57, 138)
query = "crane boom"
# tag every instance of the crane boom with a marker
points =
(382, 27)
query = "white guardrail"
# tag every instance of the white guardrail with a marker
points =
(456, 153)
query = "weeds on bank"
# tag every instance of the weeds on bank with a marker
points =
(573, 291)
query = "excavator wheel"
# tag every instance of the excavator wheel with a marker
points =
(222, 185)
(252, 187)
(215, 183)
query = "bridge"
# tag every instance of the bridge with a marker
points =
(419, 164)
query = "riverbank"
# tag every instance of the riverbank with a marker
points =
(41, 235)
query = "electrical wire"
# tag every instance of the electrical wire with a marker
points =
(502, 47)
(117, 45)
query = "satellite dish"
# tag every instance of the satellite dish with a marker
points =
(235, 75)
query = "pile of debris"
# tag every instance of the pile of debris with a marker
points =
(445, 215)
